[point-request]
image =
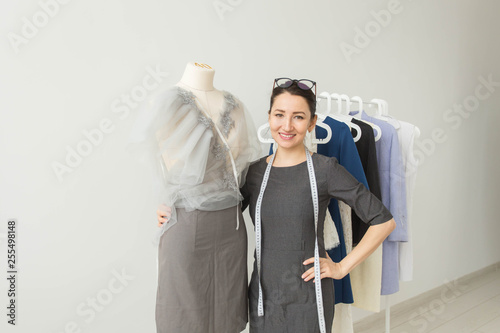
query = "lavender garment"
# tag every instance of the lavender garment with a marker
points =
(393, 188)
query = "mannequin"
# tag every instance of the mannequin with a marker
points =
(198, 78)
(206, 141)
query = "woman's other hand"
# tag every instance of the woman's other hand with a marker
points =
(163, 214)
(328, 269)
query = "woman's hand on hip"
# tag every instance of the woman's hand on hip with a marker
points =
(328, 269)
(163, 214)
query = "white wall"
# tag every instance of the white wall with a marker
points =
(69, 77)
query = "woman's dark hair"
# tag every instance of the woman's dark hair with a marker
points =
(295, 90)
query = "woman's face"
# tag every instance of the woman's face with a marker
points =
(290, 120)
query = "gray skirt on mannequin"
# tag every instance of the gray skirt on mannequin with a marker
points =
(202, 274)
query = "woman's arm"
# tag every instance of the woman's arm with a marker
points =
(368, 244)
(245, 193)
(343, 186)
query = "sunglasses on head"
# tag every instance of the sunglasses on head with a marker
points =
(304, 84)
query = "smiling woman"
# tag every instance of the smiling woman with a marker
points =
(292, 114)
(289, 121)
(288, 200)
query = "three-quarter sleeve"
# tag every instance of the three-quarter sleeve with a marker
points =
(343, 186)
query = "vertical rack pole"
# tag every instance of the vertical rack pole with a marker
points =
(387, 315)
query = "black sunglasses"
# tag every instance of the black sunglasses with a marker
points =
(304, 84)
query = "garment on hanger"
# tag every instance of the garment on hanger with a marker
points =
(366, 278)
(368, 156)
(393, 189)
(343, 148)
(391, 168)
(406, 137)
(342, 322)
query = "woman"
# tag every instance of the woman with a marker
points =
(288, 224)
(282, 293)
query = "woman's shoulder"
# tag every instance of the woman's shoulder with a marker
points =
(324, 161)
(256, 170)
(258, 163)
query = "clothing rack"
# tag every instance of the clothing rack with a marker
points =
(339, 97)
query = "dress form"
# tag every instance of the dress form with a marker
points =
(195, 273)
(198, 78)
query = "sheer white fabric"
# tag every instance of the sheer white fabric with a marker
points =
(194, 162)
(330, 234)
(346, 217)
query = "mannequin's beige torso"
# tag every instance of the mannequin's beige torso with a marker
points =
(199, 81)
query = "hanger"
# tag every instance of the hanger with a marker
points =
(347, 110)
(358, 100)
(261, 137)
(347, 105)
(385, 109)
(385, 112)
(326, 127)
(382, 109)
(344, 118)
(378, 110)
(328, 101)
(357, 115)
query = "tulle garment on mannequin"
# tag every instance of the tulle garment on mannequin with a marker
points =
(205, 143)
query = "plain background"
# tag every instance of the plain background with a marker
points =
(72, 73)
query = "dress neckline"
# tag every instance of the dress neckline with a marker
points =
(229, 104)
(289, 166)
(194, 100)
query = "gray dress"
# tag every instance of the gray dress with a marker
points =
(288, 239)
(202, 276)
(202, 258)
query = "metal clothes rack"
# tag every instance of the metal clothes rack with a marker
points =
(337, 98)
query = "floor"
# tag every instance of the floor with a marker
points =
(470, 304)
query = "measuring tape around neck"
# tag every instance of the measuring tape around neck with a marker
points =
(258, 237)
